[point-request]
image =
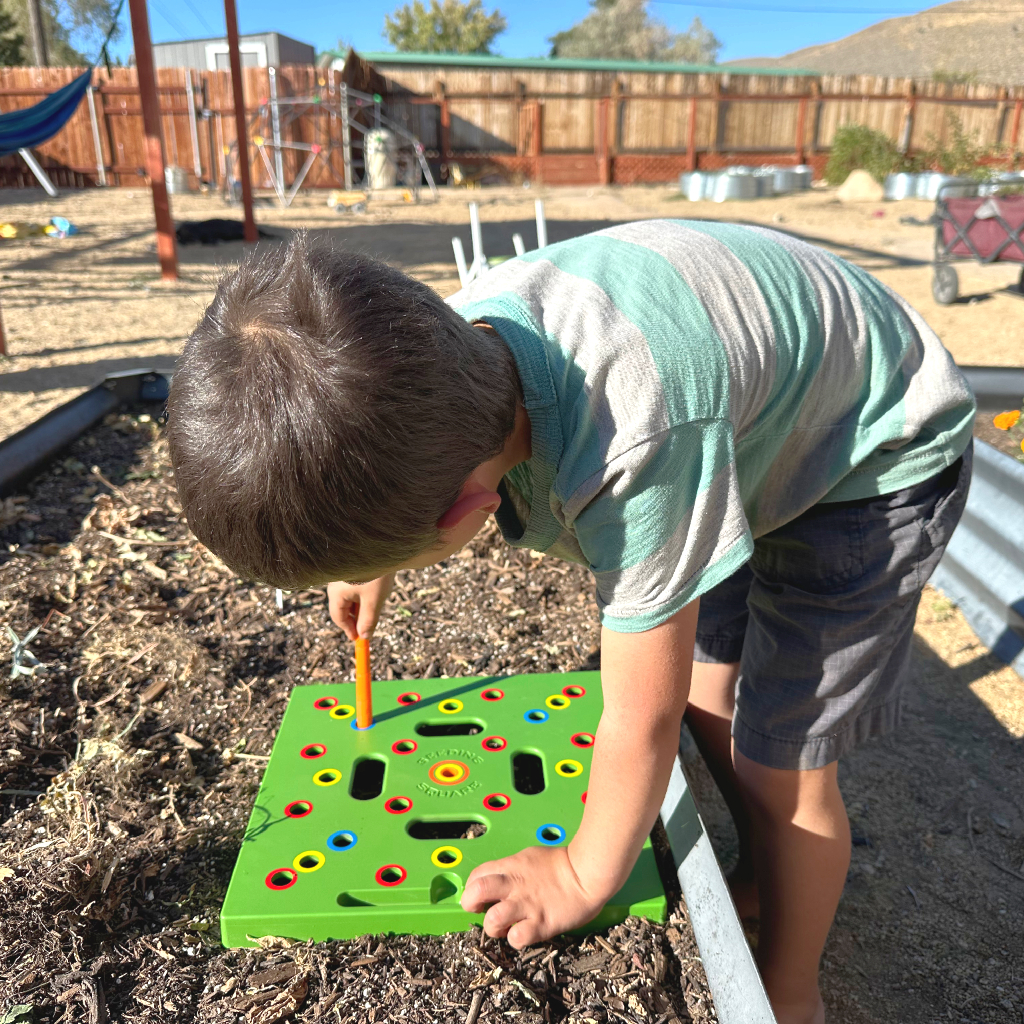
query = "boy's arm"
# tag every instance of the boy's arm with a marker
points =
(543, 891)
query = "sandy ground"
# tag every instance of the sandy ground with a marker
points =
(79, 308)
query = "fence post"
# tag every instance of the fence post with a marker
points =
(601, 141)
(716, 92)
(801, 128)
(1015, 131)
(166, 246)
(101, 169)
(536, 147)
(446, 122)
(231, 17)
(908, 118)
(691, 136)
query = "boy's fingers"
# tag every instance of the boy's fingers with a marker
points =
(523, 934)
(502, 917)
(366, 620)
(483, 890)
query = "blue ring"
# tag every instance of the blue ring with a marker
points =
(343, 832)
(529, 716)
(357, 729)
(550, 842)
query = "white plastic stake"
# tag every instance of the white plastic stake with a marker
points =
(479, 259)
(460, 261)
(517, 244)
(542, 224)
(36, 168)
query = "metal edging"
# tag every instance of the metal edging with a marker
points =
(24, 454)
(732, 974)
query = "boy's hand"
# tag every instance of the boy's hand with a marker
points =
(535, 893)
(356, 607)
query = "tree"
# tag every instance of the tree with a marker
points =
(12, 42)
(624, 30)
(448, 27)
(67, 24)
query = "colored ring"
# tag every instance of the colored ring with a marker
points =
(348, 846)
(569, 768)
(550, 842)
(342, 711)
(435, 857)
(584, 797)
(536, 716)
(381, 880)
(409, 698)
(321, 703)
(312, 750)
(447, 779)
(574, 690)
(315, 854)
(558, 702)
(395, 747)
(292, 810)
(450, 706)
(582, 739)
(504, 807)
(398, 810)
(488, 741)
(492, 694)
(290, 872)
(319, 779)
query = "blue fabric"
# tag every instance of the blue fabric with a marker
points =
(23, 129)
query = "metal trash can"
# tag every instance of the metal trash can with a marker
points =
(176, 179)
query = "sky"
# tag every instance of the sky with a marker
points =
(746, 28)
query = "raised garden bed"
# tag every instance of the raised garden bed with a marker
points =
(129, 759)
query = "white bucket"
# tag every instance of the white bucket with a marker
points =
(176, 179)
(380, 149)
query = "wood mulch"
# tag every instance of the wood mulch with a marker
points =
(132, 737)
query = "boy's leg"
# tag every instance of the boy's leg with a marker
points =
(801, 846)
(709, 716)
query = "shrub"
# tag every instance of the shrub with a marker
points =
(961, 155)
(858, 146)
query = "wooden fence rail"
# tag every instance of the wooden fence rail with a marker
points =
(564, 127)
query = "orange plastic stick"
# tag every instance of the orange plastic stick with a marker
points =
(364, 694)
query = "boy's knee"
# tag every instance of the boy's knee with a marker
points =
(781, 793)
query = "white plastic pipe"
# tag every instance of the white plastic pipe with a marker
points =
(479, 259)
(542, 224)
(518, 244)
(460, 261)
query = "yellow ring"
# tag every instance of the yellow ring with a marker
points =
(297, 863)
(558, 702)
(342, 711)
(435, 857)
(327, 771)
(569, 768)
(447, 773)
(452, 710)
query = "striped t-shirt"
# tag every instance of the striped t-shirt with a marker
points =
(694, 385)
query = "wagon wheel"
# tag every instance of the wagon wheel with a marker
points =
(945, 284)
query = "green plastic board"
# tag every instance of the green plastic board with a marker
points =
(358, 832)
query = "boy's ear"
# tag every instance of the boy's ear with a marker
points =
(467, 504)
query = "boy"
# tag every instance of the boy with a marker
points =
(758, 450)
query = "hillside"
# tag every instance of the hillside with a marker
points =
(979, 38)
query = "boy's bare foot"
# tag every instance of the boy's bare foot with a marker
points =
(801, 1014)
(744, 893)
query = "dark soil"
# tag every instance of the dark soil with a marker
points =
(131, 752)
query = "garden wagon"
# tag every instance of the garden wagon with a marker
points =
(986, 228)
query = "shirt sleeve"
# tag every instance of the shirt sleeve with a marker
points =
(662, 524)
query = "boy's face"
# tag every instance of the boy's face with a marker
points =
(453, 539)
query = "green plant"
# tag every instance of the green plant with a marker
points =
(960, 155)
(858, 146)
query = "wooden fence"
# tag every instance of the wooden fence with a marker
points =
(577, 127)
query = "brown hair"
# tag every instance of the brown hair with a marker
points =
(327, 411)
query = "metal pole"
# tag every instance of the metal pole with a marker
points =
(101, 169)
(192, 124)
(35, 23)
(275, 127)
(36, 168)
(166, 247)
(346, 138)
(231, 17)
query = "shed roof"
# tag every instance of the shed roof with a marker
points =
(483, 60)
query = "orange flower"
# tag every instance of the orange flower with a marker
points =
(1005, 420)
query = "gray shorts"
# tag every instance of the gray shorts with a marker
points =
(821, 620)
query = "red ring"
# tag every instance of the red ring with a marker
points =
(305, 751)
(395, 750)
(405, 703)
(321, 706)
(584, 797)
(290, 809)
(402, 810)
(491, 796)
(492, 689)
(281, 871)
(574, 686)
(388, 867)
(574, 739)
(493, 750)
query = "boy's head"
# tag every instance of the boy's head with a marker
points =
(327, 412)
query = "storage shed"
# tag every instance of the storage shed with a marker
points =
(260, 50)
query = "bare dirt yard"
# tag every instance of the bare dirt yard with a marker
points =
(111, 882)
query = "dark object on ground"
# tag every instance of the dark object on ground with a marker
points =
(210, 232)
(916, 222)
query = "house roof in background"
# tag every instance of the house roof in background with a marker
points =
(478, 60)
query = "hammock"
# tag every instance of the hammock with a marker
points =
(23, 129)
